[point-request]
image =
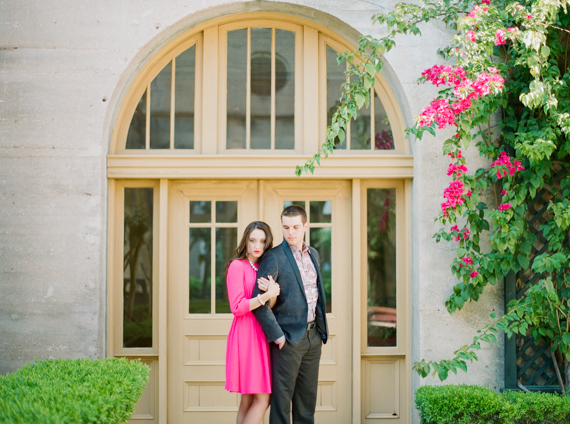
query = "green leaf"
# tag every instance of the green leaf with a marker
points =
(359, 98)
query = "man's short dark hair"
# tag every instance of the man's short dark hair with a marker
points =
(295, 210)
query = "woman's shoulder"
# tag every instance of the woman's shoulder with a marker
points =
(237, 263)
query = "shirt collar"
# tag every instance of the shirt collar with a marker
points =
(304, 249)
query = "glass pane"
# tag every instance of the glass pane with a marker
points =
(137, 129)
(381, 240)
(284, 89)
(383, 138)
(160, 89)
(287, 203)
(200, 212)
(321, 240)
(226, 242)
(261, 88)
(236, 88)
(200, 271)
(184, 99)
(360, 130)
(226, 212)
(335, 78)
(321, 212)
(137, 275)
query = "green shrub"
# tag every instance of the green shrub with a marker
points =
(544, 408)
(478, 405)
(72, 391)
(458, 404)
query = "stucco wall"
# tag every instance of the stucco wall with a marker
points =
(64, 69)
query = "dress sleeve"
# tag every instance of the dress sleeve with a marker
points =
(239, 303)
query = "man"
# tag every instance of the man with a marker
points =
(296, 326)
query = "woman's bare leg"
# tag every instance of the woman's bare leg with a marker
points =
(257, 409)
(244, 405)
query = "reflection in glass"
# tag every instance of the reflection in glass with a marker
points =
(383, 138)
(260, 88)
(226, 212)
(137, 275)
(321, 211)
(335, 79)
(160, 90)
(200, 211)
(287, 203)
(184, 99)
(236, 89)
(137, 129)
(321, 240)
(284, 89)
(226, 242)
(381, 242)
(200, 271)
(360, 130)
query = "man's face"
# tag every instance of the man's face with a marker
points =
(294, 230)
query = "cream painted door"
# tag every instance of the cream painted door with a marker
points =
(328, 207)
(206, 220)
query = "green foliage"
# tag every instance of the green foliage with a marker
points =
(72, 391)
(478, 405)
(532, 54)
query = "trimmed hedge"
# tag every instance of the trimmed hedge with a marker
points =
(463, 404)
(72, 391)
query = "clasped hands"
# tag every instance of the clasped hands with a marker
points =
(269, 285)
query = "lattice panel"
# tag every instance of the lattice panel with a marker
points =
(534, 366)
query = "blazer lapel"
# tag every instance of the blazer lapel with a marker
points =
(293, 262)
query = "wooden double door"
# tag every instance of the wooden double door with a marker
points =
(206, 220)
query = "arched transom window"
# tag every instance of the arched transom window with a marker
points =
(253, 86)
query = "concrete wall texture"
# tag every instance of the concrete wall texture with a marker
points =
(64, 69)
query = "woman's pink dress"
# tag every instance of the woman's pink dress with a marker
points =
(248, 368)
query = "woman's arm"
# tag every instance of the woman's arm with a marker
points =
(239, 303)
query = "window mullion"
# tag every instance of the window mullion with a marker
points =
(372, 120)
(147, 119)
(248, 93)
(273, 76)
(172, 101)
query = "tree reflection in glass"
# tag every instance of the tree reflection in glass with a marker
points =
(137, 268)
(381, 247)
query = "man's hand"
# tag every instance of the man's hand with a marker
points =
(281, 344)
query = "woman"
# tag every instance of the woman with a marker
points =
(247, 357)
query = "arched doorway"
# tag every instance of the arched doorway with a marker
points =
(206, 141)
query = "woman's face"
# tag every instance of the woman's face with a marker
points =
(256, 244)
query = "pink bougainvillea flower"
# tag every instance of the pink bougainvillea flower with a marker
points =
(454, 228)
(467, 260)
(456, 169)
(493, 70)
(499, 37)
(440, 74)
(438, 111)
(473, 274)
(505, 160)
(512, 29)
(528, 16)
(470, 36)
(468, 192)
(504, 206)
(486, 1)
(465, 233)
(504, 192)
(519, 7)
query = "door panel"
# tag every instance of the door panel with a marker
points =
(329, 204)
(198, 323)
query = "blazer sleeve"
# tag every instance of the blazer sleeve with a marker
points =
(239, 303)
(264, 314)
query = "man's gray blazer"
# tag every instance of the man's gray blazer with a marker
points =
(289, 315)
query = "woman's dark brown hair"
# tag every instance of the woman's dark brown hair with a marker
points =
(240, 252)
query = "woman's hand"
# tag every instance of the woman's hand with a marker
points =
(263, 284)
(273, 288)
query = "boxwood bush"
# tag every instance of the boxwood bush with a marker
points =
(72, 391)
(464, 404)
